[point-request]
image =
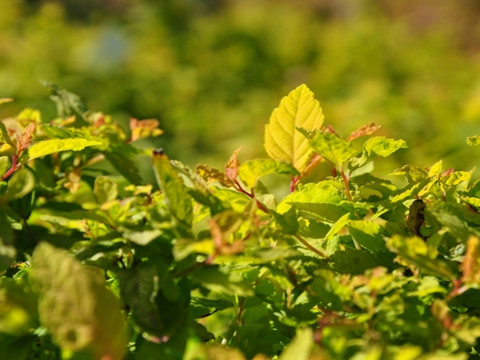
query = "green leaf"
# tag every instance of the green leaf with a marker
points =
(20, 184)
(367, 234)
(18, 307)
(52, 146)
(328, 192)
(332, 147)
(251, 171)
(473, 140)
(283, 141)
(215, 279)
(68, 103)
(141, 289)
(416, 252)
(300, 347)
(105, 189)
(125, 166)
(174, 189)
(7, 248)
(76, 306)
(382, 146)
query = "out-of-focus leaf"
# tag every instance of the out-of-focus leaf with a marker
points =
(20, 184)
(18, 307)
(332, 147)
(473, 140)
(471, 262)
(105, 189)
(144, 128)
(251, 171)
(300, 347)
(219, 352)
(283, 141)
(52, 146)
(76, 306)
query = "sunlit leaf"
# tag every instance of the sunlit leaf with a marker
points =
(332, 147)
(383, 146)
(283, 141)
(52, 146)
(252, 170)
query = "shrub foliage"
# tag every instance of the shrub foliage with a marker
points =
(211, 264)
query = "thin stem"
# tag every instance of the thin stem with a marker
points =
(293, 183)
(347, 186)
(12, 169)
(310, 247)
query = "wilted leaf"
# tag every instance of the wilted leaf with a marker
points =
(283, 141)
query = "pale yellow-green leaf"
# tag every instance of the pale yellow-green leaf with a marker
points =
(75, 305)
(300, 347)
(436, 169)
(283, 141)
(52, 146)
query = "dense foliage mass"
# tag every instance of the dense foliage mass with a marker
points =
(200, 65)
(96, 264)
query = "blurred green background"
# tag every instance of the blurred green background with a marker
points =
(213, 70)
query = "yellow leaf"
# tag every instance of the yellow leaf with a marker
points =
(283, 141)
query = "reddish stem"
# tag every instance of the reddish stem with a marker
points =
(251, 195)
(12, 169)
(293, 183)
(347, 186)
(310, 247)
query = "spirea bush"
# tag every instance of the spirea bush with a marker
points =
(211, 264)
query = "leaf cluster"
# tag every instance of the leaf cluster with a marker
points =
(211, 264)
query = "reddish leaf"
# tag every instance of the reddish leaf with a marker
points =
(231, 168)
(364, 130)
(24, 140)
